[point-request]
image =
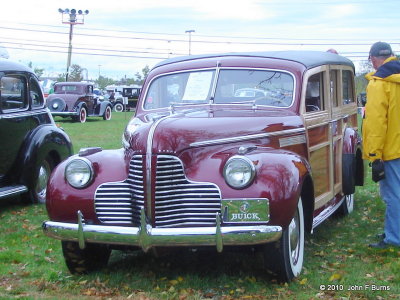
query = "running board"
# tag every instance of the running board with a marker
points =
(326, 213)
(12, 190)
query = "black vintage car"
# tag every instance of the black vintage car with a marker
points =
(77, 100)
(31, 145)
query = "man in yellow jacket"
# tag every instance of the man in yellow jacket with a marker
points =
(381, 136)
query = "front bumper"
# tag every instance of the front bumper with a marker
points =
(147, 237)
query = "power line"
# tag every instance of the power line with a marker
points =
(195, 40)
(90, 54)
(87, 49)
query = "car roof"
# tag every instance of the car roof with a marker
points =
(9, 65)
(73, 83)
(309, 59)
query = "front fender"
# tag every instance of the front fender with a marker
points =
(43, 141)
(279, 177)
(63, 201)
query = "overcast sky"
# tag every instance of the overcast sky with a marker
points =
(119, 38)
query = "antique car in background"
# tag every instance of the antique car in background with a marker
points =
(77, 100)
(31, 144)
(123, 97)
(239, 149)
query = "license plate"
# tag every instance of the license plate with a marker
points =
(245, 210)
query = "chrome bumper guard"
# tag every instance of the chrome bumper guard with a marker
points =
(147, 237)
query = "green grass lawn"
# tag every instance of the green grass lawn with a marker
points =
(338, 264)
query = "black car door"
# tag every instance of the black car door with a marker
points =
(13, 119)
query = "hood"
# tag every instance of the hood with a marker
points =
(195, 128)
(389, 71)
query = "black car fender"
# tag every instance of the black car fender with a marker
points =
(42, 142)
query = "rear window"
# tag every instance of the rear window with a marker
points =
(13, 92)
(67, 89)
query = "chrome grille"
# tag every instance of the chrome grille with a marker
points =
(180, 202)
(120, 202)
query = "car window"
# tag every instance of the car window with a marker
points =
(261, 87)
(333, 74)
(13, 92)
(180, 88)
(66, 89)
(348, 93)
(315, 93)
(36, 94)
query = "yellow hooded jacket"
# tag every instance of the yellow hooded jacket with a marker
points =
(381, 124)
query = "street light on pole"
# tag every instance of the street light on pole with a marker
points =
(190, 39)
(71, 17)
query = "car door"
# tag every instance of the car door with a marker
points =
(344, 114)
(13, 118)
(316, 110)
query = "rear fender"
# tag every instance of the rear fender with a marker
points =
(352, 163)
(102, 107)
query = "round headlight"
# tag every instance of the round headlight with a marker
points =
(79, 172)
(239, 172)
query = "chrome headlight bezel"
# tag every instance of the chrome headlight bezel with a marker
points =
(79, 172)
(233, 166)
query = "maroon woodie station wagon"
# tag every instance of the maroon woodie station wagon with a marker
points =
(239, 149)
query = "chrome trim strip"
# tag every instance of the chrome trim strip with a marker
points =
(326, 213)
(247, 137)
(149, 154)
(12, 190)
(292, 140)
(146, 237)
(66, 113)
(26, 113)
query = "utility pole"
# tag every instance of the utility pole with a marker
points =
(190, 39)
(71, 17)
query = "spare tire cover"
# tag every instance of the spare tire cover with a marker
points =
(56, 105)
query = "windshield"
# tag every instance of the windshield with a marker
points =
(259, 87)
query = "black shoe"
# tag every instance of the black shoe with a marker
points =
(380, 245)
(381, 236)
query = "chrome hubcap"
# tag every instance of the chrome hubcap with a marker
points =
(294, 237)
(41, 185)
(350, 202)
